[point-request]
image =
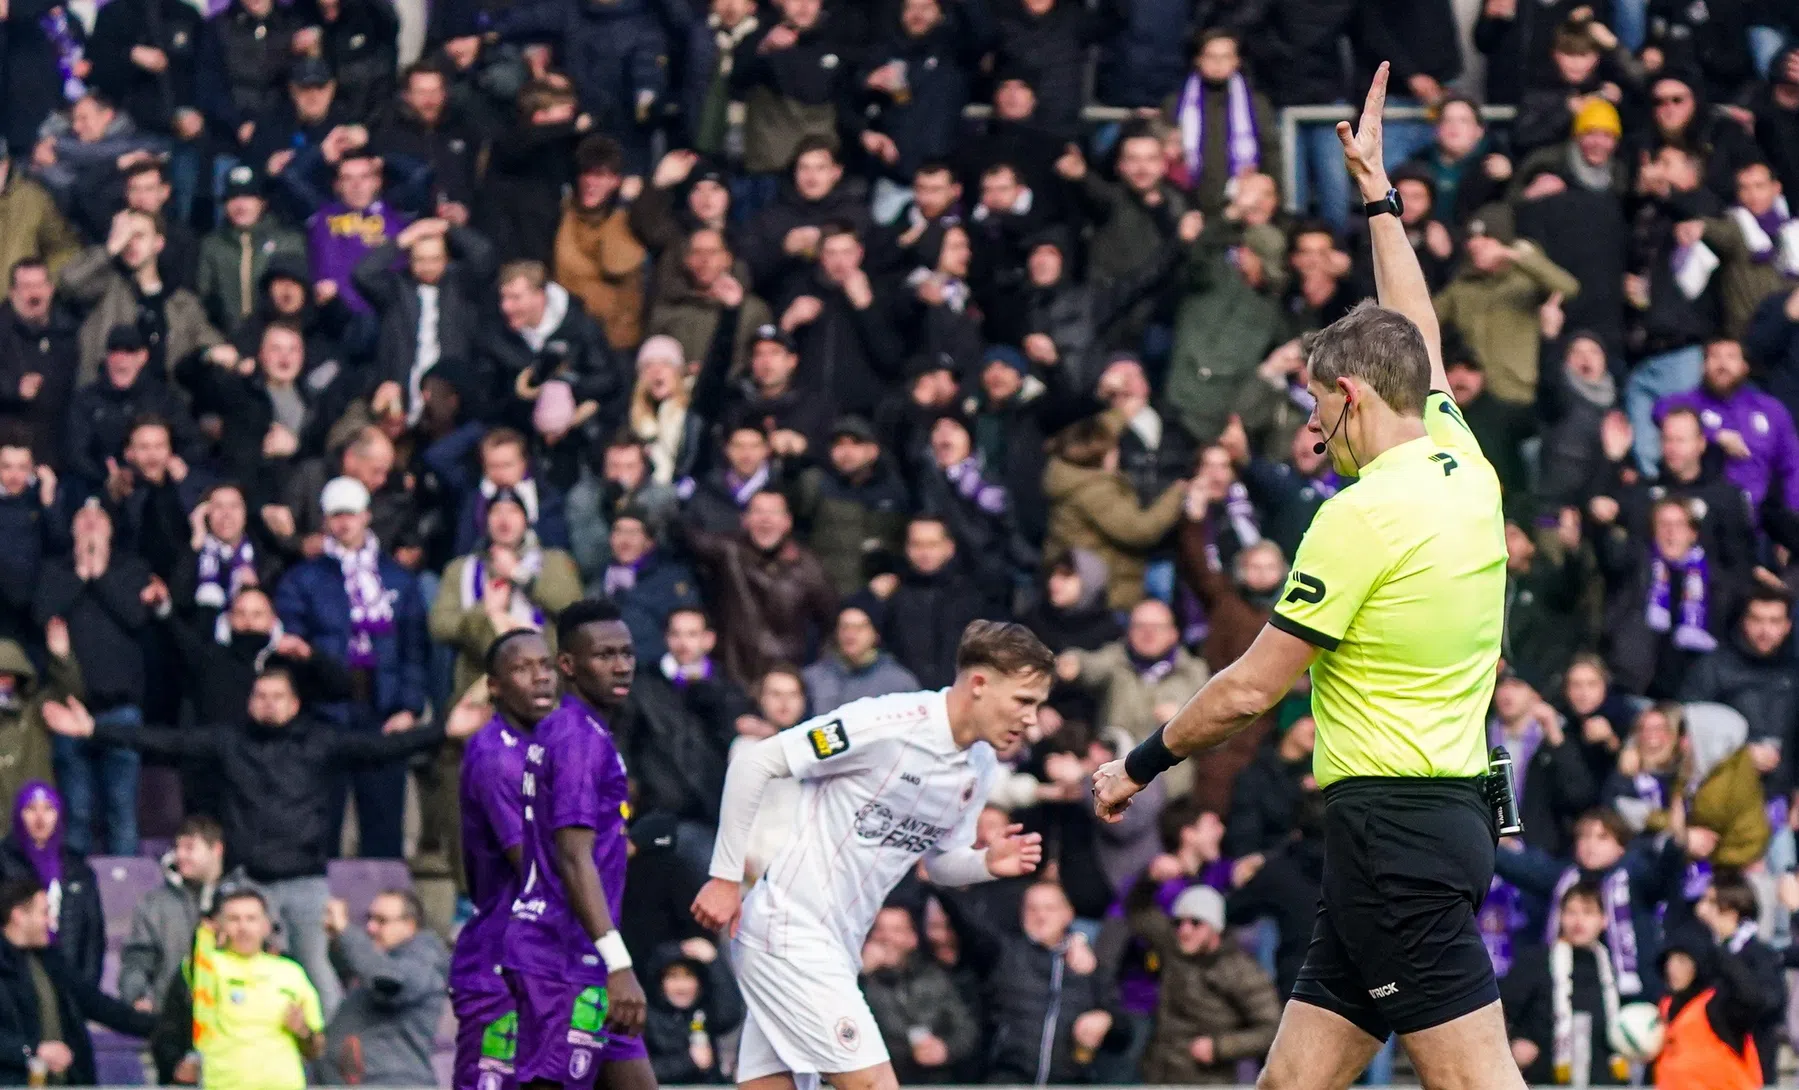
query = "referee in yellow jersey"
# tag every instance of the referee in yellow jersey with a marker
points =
(1396, 604)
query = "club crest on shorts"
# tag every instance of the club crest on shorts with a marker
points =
(578, 1063)
(847, 1034)
(828, 740)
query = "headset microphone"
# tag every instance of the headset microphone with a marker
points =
(1323, 445)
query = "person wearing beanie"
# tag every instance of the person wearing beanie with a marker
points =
(1216, 1006)
(227, 280)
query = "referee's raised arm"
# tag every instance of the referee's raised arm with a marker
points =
(1398, 278)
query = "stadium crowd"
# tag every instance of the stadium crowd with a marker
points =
(318, 372)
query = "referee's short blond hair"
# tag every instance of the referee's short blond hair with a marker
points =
(1378, 345)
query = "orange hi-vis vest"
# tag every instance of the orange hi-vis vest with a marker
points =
(1693, 1058)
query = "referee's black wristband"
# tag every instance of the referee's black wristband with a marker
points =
(1149, 759)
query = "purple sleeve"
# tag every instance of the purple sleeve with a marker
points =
(1786, 452)
(573, 785)
(500, 810)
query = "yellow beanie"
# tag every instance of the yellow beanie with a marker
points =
(1598, 115)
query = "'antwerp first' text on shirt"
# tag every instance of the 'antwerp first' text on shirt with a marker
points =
(1400, 581)
(883, 782)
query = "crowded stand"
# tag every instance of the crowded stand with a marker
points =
(343, 339)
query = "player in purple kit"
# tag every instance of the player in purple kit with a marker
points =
(580, 1007)
(521, 683)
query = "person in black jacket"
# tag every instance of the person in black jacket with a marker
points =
(915, 84)
(531, 160)
(792, 411)
(1285, 887)
(245, 54)
(276, 767)
(37, 337)
(929, 605)
(1729, 909)
(1753, 672)
(54, 1042)
(1554, 784)
(444, 279)
(782, 242)
(359, 39)
(693, 1002)
(33, 526)
(423, 125)
(1053, 37)
(1530, 988)
(146, 59)
(35, 850)
(847, 340)
(547, 337)
(101, 413)
(99, 592)
(1266, 796)
(676, 765)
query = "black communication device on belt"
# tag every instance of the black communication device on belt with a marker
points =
(1501, 796)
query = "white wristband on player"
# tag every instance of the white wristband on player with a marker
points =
(612, 950)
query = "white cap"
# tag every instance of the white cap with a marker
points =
(344, 496)
(1201, 903)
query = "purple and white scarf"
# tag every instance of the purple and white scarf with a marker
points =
(681, 676)
(1620, 928)
(520, 608)
(1242, 513)
(1522, 750)
(1242, 144)
(223, 570)
(371, 603)
(742, 488)
(1771, 237)
(620, 578)
(1690, 634)
(1501, 917)
(1326, 484)
(69, 51)
(966, 478)
(1150, 671)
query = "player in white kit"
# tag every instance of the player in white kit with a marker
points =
(886, 781)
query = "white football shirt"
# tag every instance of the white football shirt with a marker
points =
(882, 783)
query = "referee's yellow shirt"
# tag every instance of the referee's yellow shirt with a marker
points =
(1400, 581)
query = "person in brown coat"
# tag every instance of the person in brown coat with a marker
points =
(1093, 506)
(1217, 1006)
(772, 594)
(1237, 605)
(598, 259)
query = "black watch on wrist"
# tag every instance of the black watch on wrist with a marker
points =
(1389, 203)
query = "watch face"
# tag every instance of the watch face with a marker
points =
(1398, 205)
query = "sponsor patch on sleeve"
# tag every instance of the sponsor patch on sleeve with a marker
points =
(829, 740)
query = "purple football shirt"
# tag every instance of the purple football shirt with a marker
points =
(573, 776)
(493, 767)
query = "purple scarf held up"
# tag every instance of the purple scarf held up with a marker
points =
(223, 570)
(966, 477)
(46, 858)
(1242, 141)
(1691, 633)
(69, 51)
(371, 603)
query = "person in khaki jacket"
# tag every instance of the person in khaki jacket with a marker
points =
(30, 225)
(598, 259)
(1141, 680)
(1493, 303)
(1217, 1007)
(1093, 506)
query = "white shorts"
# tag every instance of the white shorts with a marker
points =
(804, 1015)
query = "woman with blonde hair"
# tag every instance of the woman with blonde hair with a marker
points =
(660, 414)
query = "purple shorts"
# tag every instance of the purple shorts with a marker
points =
(486, 1033)
(561, 1031)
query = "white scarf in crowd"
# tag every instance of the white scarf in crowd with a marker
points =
(1561, 976)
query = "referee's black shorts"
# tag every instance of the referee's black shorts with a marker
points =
(1407, 862)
